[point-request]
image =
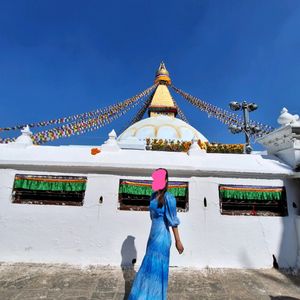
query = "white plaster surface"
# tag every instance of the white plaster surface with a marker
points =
(94, 233)
(80, 157)
(284, 142)
(162, 127)
(25, 137)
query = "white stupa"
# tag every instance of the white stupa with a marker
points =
(78, 204)
(162, 122)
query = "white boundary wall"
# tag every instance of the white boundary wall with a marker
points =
(94, 233)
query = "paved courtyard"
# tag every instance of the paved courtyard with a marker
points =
(40, 281)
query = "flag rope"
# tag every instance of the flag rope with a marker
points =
(224, 116)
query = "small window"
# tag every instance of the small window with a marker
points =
(252, 200)
(49, 190)
(135, 194)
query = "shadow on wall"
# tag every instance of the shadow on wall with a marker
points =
(129, 255)
(290, 242)
(286, 260)
(283, 298)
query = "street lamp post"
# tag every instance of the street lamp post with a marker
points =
(246, 127)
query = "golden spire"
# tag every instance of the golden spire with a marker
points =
(162, 75)
(162, 102)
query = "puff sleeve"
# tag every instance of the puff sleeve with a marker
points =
(171, 213)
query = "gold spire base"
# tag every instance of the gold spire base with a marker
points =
(164, 79)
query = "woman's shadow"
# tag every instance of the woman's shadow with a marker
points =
(129, 254)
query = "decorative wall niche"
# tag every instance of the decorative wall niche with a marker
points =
(49, 190)
(253, 200)
(135, 194)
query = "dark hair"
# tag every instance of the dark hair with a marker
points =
(161, 193)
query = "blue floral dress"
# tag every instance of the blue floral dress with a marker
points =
(151, 281)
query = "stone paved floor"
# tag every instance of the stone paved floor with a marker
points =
(40, 281)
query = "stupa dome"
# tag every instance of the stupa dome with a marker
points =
(161, 127)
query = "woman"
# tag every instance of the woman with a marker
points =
(151, 281)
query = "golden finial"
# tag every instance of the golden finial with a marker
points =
(162, 75)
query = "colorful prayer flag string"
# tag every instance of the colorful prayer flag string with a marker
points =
(86, 121)
(139, 115)
(111, 113)
(75, 117)
(180, 113)
(224, 116)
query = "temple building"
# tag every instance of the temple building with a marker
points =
(89, 204)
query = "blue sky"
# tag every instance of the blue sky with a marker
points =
(59, 58)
